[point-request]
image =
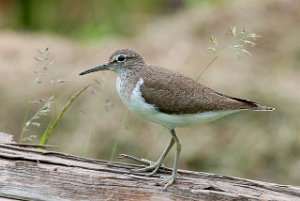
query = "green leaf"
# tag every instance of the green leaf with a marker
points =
(47, 133)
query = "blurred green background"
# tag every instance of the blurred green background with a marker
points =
(91, 19)
(45, 44)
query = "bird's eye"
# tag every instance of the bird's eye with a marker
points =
(121, 58)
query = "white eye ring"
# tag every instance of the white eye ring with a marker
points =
(121, 58)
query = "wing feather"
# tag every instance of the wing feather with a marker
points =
(174, 93)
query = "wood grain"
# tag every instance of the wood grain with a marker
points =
(29, 174)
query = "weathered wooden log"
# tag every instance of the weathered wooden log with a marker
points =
(29, 174)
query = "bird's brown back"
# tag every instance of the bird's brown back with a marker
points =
(174, 93)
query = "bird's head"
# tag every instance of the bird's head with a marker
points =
(121, 60)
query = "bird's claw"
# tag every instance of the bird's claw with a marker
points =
(150, 165)
(168, 182)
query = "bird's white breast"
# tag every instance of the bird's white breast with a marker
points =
(137, 104)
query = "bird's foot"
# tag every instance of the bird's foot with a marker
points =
(151, 166)
(168, 181)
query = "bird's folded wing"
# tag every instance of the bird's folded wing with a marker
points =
(178, 94)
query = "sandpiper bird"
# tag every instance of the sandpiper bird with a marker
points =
(167, 98)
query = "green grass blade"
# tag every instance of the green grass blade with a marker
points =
(47, 133)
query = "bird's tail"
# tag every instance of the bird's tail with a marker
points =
(263, 108)
(251, 105)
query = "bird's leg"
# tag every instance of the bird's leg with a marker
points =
(152, 165)
(171, 179)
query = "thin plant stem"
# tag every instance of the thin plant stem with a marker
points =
(238, 44)
(162, 129)
(206, 67)
(24, 126)
(88, 140)
(42, 111)
(48, 132)
(116, 142)
(217, 55)
(90, 132)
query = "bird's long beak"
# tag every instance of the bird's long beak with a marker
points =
(98, 68)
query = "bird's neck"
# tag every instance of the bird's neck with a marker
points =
(126, 82)
(123, 71)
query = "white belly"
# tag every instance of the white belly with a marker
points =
(136, 103)
(184, 120)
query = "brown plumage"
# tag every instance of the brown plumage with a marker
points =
(182, 95)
